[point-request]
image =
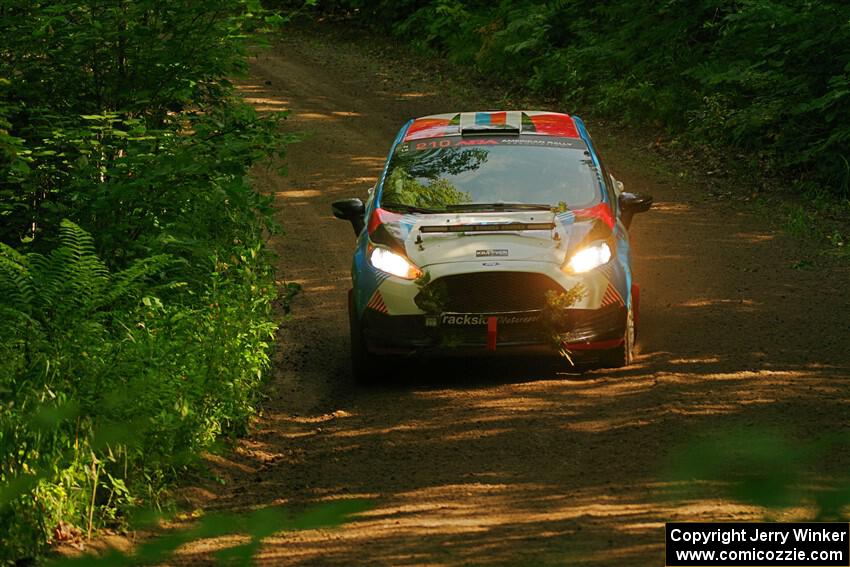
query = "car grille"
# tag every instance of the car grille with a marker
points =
(492, 292)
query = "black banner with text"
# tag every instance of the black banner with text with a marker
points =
(743, 544)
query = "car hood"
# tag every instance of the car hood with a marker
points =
(485, 238)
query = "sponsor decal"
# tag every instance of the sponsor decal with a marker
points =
(437, 143)
(489, 253)
(472, 319)
(545, 143)
(612, 296)
(377, 303)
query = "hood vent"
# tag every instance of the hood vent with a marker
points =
(490, 227)
(490, 123)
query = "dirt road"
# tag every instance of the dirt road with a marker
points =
(470, 462)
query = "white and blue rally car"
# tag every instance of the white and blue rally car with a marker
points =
(493, 232)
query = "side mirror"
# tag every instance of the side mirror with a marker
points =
(351, 210)
(631, 204)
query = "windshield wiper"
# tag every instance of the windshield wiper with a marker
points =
(408, 208)
(501, 207)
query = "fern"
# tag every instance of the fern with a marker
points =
(14, 277)
(69, 283)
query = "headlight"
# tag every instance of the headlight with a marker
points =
(589, 257)
(392, 263)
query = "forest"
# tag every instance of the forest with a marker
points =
(136, 290)
(767, 81)
(139, 297)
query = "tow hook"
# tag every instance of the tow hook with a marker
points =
(492, 328)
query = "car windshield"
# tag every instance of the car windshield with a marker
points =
(490, 173)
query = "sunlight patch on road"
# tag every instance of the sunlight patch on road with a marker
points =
(416, 521)
(211, 545)
(369, 161)
(661, 257)
(695, 360)
(250, 88)
(321, 279)
(473, 434)
(516, 403)
(328, 116)
(262, 104)
(260, 452)
(416, 95)
(588, 524)
(315, 418)
(224, 462)
(670, 207)
(601, 425)
(315, 116)
(298, 193)
(367, 179)
(415, 426)
(786, 376)
(747, 304)
(755, 237)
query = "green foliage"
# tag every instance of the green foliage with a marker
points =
(761, 467)
(408, 171)
(61, 350)
(402, 188)
(555, 316)
(136, 290)
(257, 525)
(432, 296)
(769, 79)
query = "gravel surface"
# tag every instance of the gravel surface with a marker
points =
(481, 462)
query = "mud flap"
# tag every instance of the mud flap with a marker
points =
(636, 304)
(492, 330)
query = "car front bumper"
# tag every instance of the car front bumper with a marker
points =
(577, 330)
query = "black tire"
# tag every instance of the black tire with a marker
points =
(366, 367)
(623, 354)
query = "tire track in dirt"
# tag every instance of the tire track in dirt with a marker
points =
(476, 462)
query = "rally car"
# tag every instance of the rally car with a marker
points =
(492, 232)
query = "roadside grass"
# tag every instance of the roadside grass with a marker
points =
(137, 291)
(822, 223)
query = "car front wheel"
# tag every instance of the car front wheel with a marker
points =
(366, 368)
(623, 354)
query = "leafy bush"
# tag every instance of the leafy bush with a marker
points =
(136, 291)
(767, 78)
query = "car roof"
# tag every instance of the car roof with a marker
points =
(535, 122)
